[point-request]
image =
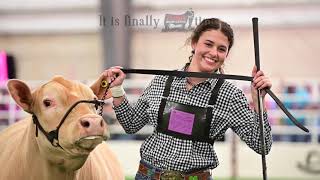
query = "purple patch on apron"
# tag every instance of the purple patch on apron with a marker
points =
(181, 122)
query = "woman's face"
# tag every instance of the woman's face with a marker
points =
(210, 51)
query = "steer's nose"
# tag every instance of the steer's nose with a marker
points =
(92, 125)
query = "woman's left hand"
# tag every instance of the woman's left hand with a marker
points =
(260, 81)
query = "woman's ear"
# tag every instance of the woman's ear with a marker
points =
(193, 46)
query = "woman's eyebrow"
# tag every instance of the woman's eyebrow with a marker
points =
(209, 41)
(213, 43)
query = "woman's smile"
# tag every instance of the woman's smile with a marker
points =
(210, 60)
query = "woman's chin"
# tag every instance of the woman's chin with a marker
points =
(209, 69)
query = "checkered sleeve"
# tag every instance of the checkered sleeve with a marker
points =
(245, 123)
(133, 117)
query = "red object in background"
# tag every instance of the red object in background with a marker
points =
(3, 67)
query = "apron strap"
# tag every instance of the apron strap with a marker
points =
(212, 101)
(164, 98)
(213, 98)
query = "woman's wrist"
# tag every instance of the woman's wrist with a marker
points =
(117, 91)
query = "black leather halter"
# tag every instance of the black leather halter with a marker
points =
(53, 136)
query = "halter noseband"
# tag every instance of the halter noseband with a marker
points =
(53, 136)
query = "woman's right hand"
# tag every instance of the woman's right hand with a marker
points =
(114, 75)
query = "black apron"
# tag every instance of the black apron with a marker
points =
(186, 121)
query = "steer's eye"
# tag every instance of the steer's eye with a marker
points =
(47, 102)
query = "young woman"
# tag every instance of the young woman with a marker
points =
(189, 114)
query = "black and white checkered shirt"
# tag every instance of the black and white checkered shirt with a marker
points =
(169, 153)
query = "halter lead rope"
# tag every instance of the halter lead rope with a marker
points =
(216, 76)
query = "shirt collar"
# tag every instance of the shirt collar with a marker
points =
(211, 81)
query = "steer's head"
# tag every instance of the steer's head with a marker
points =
(82, 130)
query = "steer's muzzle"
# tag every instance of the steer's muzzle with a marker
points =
(92, 125)
(93, 130)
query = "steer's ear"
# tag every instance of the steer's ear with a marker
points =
(98, 90)
(21, 93)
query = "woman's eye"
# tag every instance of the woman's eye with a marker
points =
(47, 103)
(208, 44)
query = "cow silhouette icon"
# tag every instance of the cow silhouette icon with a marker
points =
(174, 22)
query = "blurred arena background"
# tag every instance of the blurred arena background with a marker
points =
(79, 39)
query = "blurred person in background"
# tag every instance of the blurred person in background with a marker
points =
(190, 114)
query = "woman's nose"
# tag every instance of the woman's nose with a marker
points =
(214, 52)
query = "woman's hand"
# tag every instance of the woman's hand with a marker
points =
(261, 82)
(113, 75)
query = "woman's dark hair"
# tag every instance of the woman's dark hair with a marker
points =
(211, 24)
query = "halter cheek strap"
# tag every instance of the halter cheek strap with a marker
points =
(53, 136)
